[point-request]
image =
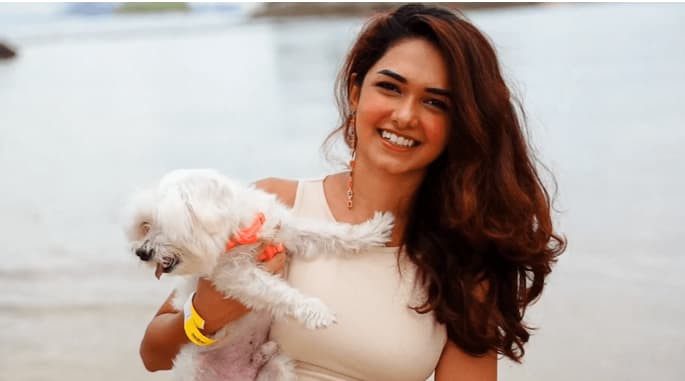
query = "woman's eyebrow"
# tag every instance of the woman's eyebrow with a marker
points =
(436, 91)
(393, 75)
(401, 79)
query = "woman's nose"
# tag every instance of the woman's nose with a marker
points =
(405, 115)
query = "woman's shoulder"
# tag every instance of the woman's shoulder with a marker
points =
(285, 189)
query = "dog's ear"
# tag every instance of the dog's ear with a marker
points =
(139, 211)
(204, 203)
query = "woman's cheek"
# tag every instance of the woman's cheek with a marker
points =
(436, 130)
(374, 106)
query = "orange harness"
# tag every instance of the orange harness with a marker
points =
(250, 235)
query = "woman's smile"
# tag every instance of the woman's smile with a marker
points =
(397, 140)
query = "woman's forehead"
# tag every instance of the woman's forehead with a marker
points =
(417, 60)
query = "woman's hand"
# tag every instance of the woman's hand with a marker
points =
(164, 335)
(216, 309)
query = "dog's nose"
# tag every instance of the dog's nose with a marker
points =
(144, 254)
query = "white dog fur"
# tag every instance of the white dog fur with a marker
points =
(181, 227)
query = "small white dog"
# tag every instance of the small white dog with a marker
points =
(182, 227)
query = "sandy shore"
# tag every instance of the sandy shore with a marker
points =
(80, 343)
(591, 327)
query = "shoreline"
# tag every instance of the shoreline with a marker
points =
(296, 10)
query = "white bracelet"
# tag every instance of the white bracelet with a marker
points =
(188, 307)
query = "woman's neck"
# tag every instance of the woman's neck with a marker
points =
(374, 191)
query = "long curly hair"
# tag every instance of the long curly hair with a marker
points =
(480, 228)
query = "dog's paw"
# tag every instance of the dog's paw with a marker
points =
(313, 314)
(265, 352)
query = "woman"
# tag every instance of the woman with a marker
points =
(435, 139)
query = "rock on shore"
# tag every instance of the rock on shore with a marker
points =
(6, 52)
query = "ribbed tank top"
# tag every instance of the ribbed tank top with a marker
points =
(377, 337)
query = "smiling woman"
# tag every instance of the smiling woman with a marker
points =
(477, 215)
(402, 120)
(435, 139)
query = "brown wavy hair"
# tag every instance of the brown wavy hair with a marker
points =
(480, 228)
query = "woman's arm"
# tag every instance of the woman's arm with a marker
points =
(164, 335)
(456, 365)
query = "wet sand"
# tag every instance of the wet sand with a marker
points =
(593, 327)
(77, 343)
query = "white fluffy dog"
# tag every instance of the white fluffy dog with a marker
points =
(182, 226)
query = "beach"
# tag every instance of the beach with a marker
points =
(95, 108)
(75, 343)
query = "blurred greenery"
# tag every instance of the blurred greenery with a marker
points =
(152, 7)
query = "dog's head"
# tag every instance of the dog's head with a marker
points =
(181, 226)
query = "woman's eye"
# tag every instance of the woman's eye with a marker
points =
(387, 86)
(437, 103)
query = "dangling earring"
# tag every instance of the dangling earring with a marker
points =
(352, 140)
(350, 192)
(351, 137)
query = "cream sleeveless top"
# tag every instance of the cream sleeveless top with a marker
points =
(377, 337)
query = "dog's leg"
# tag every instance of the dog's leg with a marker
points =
(262, 291)
(263, 354)
(183, 291)
(278, 368)
(311, 238)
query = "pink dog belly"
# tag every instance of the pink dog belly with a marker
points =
(233, 360)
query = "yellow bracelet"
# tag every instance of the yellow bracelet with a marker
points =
(193, 323)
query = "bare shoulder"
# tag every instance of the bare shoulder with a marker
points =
(283, 188)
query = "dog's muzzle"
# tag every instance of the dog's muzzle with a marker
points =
(167, 265)
(144, 253)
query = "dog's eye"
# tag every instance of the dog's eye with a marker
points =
(145, 227)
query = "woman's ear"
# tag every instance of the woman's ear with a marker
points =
(354, 91)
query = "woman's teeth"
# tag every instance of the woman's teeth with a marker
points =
(397, 140)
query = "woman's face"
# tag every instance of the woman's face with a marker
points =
(402, 108)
